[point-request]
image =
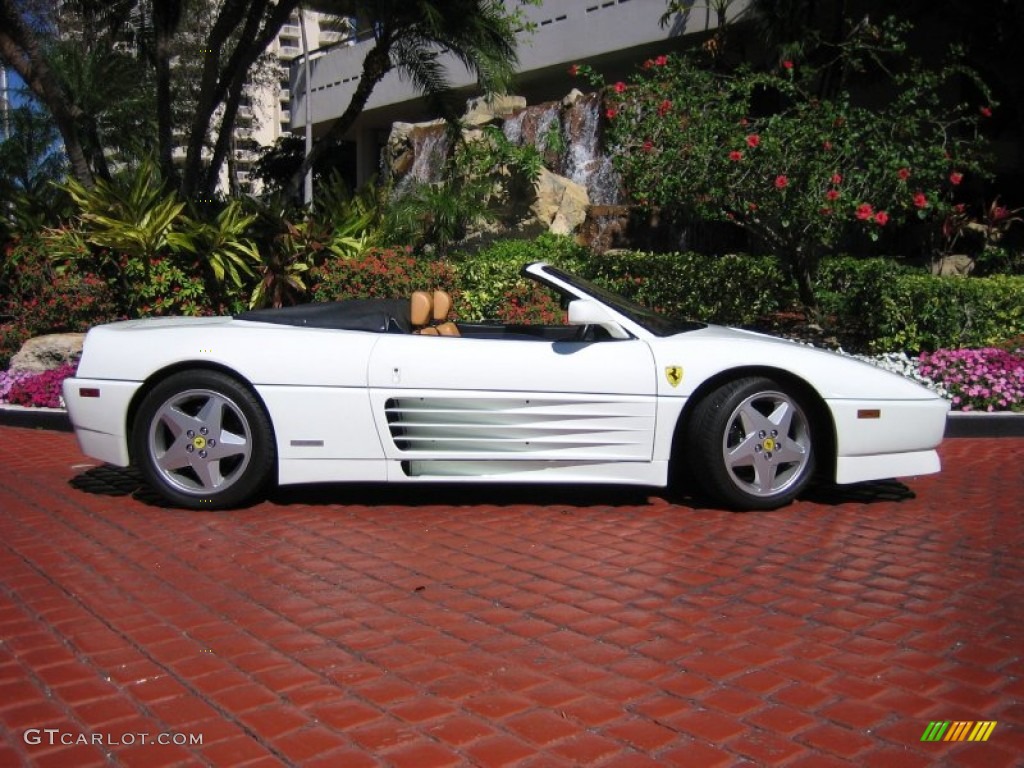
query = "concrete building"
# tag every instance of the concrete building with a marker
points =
(611, 35)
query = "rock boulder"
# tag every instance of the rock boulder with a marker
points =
(44, 353)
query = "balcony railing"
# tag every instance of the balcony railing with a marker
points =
(565, 32)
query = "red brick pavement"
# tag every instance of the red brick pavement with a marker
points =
(359, 626)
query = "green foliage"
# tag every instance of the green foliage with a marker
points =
(30, 159)
(382, 273)
(136, 234)
(295, 241)
(482, 174)
(882, 307)
(731, 290)
(225, 245)
(796, 171)
(735, 289)
(489, 277)
(40, 297)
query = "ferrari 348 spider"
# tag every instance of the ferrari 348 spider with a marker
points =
(213, 410)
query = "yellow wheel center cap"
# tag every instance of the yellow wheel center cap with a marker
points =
(769, 444)
(199, 442)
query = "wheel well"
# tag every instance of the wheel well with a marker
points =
(820, 417)
(190, 365)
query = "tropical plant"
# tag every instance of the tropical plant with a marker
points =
(294, 241)
(224, 245)
(133, 216)
(30, 160)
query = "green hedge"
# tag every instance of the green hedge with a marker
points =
(875, 304)
(735, 290)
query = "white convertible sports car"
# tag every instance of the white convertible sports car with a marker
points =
(214, 409)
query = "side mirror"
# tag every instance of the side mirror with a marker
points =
(584, 312)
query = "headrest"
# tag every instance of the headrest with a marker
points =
(442, 306)
(420, 308)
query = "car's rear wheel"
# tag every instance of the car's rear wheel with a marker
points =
(203, 441)
(751, 445)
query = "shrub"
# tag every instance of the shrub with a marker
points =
(46, 297)
(488, 278)
(379, 273)
(731, 290)
(916, 312)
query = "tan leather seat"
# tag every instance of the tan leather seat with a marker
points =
(421, 311)
(442, 307)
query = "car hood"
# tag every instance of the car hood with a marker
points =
(705, 352)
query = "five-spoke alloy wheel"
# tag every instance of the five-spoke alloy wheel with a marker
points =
(751, 444)
(203, 441)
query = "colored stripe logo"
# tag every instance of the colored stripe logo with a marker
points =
(958, 730)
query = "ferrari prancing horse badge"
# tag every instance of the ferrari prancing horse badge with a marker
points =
(674, 374)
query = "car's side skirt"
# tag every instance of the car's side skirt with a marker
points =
(654, 473)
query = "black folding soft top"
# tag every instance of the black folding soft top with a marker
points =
(379, 315)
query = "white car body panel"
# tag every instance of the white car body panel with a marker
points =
(351, 405)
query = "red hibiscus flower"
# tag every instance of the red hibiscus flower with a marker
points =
(787, 64)
(837, 178)
(620, 87)
(881, 218)
(611, 112)
(648, 146)
(864, 211)
(661, 61)
(832, 194)
(574, 70)
(753, 140)
(903, 173)
(920, 200)
(664, 108)
(985, 112)
(735, 155)
(955, 178)
(781, 181)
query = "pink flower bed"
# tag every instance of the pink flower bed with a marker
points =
(35, 390)
(978, 379)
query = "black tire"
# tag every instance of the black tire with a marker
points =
(203, 441)
(750, 444)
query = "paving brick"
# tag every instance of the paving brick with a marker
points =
(592, 627)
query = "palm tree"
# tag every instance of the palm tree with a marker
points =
(411, 36)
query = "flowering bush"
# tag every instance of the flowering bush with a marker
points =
(796, 170)
(35, 390)
(379, 273)
(987, 379)
(7, 381)
(43, 296)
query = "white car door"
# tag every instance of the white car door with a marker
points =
(461, 406)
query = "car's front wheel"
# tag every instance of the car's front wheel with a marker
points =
(203, 441)
(751, 444)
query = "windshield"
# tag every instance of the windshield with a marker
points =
(651, 321)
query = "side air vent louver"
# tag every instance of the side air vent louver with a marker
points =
(522, 426)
